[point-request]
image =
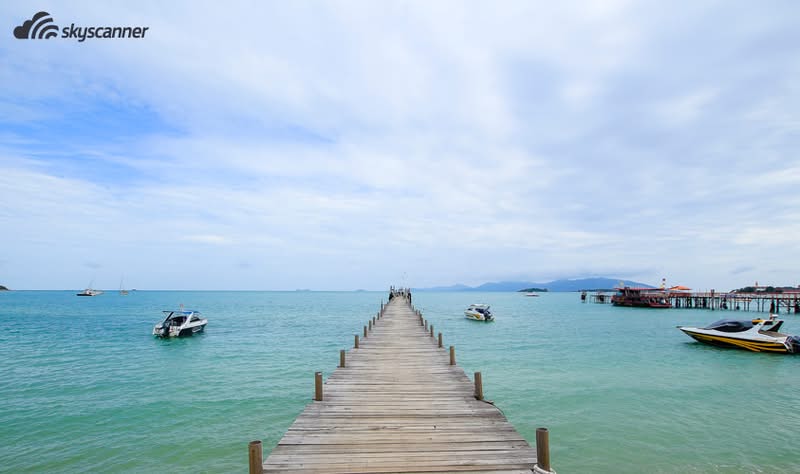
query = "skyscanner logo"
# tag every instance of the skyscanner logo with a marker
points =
(41, 26)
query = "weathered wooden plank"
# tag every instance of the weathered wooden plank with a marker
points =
(399, 447)
(399, 406)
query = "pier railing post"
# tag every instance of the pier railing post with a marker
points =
(431, 330)
(440, 340)
(356, 342)
(543, 449)
(256, 463)
(318, 386)
(370, 324)
(478, 386)
(365, 332)
(341, 358)
(452, 355)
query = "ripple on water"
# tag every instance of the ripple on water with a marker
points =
(621, 390)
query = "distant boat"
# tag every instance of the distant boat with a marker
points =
(122, 290)
(531, 294)
(90, 292)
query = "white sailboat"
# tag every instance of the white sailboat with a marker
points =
(122, 290)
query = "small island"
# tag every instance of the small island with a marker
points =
(533, 290)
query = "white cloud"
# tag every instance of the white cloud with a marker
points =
(349, 143)
(207, 239)
(683, 110)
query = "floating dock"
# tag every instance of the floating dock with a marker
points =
(398, 403)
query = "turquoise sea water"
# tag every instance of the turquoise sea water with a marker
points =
(84, 387)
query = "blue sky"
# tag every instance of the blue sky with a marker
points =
(344, 145)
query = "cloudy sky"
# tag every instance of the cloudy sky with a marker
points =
(355, 144)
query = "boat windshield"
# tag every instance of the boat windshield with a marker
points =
(730, 325)
(175, 318)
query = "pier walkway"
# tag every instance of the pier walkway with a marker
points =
(399, 406)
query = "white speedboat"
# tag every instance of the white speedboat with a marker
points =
(757, 335)
(182, 322)
(479, 312)
(89, 292)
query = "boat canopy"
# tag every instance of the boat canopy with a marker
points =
(180, 316)
(182, 312)
(730, 325)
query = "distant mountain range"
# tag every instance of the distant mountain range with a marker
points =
(557, 285)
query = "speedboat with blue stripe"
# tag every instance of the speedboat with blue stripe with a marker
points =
(757, 335)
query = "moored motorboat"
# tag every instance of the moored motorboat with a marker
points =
(182, 322)
(531, 294)
(757, 335)
(640, 298)
(479, 312)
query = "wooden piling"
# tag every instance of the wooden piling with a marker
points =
(318, 386)
(356, 343)
(370, 324)
(341, 358)
(440, 340)
(431, 330)
(478, 386)
(452, 355)
(256, 463)
(543, 449)
(365, 332)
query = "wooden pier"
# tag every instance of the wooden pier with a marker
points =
(398, 403)
(762, 302)
(776, 303)
(601, 298)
